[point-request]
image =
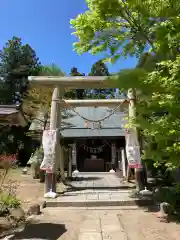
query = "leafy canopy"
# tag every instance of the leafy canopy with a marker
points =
(130, 28)
(122, 28)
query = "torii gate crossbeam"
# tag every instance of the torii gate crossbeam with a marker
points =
(119, 103)
(80, 82)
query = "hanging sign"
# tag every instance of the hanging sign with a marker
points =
(133, 156)
(92, 125)
(93, 150)
(49, 146)
(133, 150)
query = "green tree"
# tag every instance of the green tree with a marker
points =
(129, 28)
(39, 99)
(51, 70)
(99, 68)
(17, 62)
(79, 93)
(123, 28)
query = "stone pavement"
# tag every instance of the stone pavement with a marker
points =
(99, 180)
(99, 226)
(112, 223)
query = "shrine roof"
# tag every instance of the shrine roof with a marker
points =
(74, 126)
(12, 115)
(111, 126)
(84, 133)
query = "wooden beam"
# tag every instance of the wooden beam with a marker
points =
(80, 82)
(93, 103)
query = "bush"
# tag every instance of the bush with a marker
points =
(7, 188)
(170, 195)
(9, 201)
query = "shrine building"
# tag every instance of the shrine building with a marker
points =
(93, 138)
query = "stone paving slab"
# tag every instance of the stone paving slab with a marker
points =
(102, 227)
(90, 236)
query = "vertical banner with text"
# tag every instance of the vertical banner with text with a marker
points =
(133, 150)
(49, 146)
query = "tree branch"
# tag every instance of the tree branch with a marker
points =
(133, 23)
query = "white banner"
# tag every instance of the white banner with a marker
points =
(133, 156)
(133, 150)
(49, 146)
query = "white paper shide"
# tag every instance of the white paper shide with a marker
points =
(49, 146)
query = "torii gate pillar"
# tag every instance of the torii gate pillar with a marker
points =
(55, 124)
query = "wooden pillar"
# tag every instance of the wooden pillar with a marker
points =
(74, 159)
(123, 159)
(55, 124)
(113, 157)
(132, 116)
(70, 163)
(62, 156)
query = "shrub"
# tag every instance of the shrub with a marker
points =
(7, 189)
(6, 163)
(170, 195)
(8, 200)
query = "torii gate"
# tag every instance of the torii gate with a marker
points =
(79, 82)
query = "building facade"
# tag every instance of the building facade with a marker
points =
(96, 145)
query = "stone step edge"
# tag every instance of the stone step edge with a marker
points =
(99, 203)
(81, 193)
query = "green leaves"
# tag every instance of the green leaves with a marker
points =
(158, 114)
(130, 78)
(17, 62)
(126, 28)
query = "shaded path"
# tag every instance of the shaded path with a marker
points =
(99, 180)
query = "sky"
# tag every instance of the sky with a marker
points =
(44, 25)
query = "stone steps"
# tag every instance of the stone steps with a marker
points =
(100, 203)
(97, 199)
(98, 190)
